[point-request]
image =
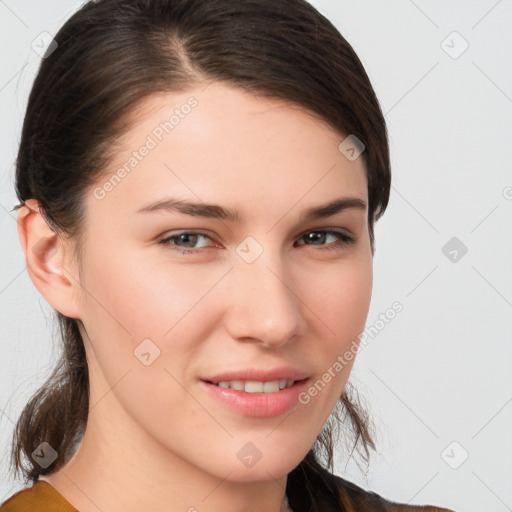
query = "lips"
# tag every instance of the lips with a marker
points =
(256, 404)
(257, 392)
(258, 375)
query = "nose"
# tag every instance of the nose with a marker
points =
(263, 306)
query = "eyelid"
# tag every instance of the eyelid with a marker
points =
(177, 233)
(213, 237)
(346, 238)
(327, 228)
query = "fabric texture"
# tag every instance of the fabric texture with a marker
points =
(42, 497)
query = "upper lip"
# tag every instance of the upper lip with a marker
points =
(255, 374)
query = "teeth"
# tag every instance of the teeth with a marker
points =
(270, 387)
(253, 386)
(236, 384)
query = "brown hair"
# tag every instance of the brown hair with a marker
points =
(111, 54)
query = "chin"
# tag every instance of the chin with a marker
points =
(266, 463)
(261, 472)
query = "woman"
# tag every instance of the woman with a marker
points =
(199, 183)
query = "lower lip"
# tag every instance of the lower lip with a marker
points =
(257, 405)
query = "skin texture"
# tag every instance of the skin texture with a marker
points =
(155, 440)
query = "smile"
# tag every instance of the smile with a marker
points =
(254, 386)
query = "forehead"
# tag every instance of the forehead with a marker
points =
(222, 144)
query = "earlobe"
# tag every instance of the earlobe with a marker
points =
(44, 258)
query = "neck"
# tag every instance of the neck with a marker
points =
(123, 469)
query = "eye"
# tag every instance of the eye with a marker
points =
(341, 238)
(190, 239)
(187, 237)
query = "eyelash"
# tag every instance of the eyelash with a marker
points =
(343, 240)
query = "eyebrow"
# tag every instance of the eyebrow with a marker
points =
(219, 212)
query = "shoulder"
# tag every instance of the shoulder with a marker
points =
(312, 487)
(41, 496)
(357, 498)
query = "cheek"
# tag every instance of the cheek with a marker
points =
(140, 298)
(130, 306)
(140, 312)
(340, 297)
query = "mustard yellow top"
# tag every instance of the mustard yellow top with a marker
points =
(42, 497)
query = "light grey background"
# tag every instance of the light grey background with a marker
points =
(437, 378)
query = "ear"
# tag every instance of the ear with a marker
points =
(49, 262)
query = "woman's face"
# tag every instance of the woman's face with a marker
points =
(172, 297)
